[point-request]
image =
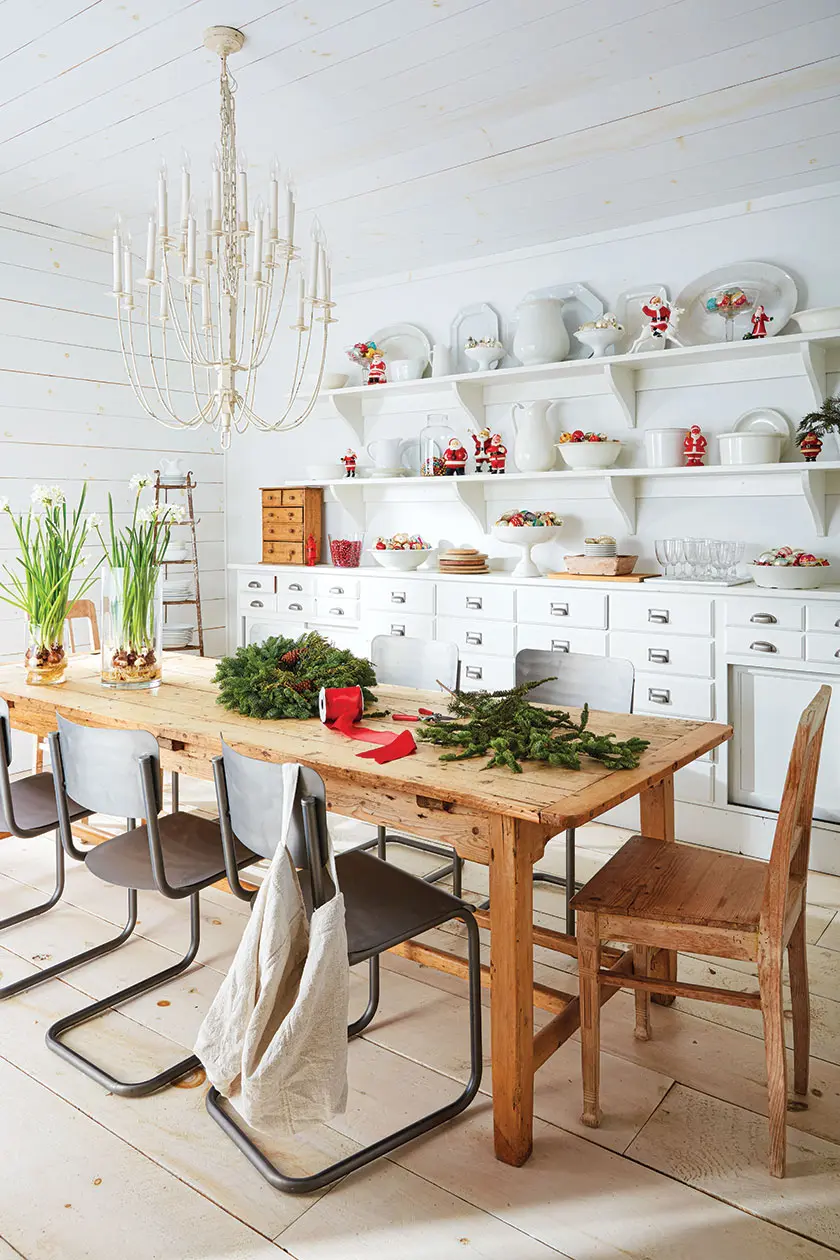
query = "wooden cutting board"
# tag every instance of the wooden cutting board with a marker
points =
(599, 577)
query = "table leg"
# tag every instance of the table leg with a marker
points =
(657, 820)
(511, 989)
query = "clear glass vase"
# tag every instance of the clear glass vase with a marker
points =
(46, 662)
(132, 616)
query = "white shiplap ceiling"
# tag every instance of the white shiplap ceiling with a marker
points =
(425, 131)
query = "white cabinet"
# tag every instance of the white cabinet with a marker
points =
(561, 638)
(471, 599)
(561, 605)
(763, 641)
(764, 708)
(668, 653)
(660, 610)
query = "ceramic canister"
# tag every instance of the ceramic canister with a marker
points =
(541, 335)
(664, 448)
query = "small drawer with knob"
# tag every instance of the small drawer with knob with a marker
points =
(561, 605)
(486, 673)
(256, 603)
(824, 616)
(661, 610)
(256, 580)
(295, 584)
(337, 586)
(561, 638)
(401, 624)
(764, 642)
(473, 635)
(391, 593)
(674, 697)
(297, 607)
(823, 647)
(336, 609)
(671, 653)
(474, 600)
(780, 614)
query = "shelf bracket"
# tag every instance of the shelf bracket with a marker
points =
(813, 364)
(621, 381)
(469, 396)
(349, 408)
(352, 498)
(622, 491)
(812, 481)
(470, 495)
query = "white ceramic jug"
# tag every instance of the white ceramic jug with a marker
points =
(541, 335)
(387, 452)
(533, 449)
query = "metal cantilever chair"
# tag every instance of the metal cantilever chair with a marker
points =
(384, 906)
(421, 663)
(602, 682)
(118, 772)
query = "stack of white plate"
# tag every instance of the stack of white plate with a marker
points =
(599, 548)
(177, 551)
(177, 634)
(177, 588)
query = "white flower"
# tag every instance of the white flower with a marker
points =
(49, 496)
(145, 516)
(176, 513)
(94, 520)
(140, 480)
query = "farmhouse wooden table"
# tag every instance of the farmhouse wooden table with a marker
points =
(500, 819)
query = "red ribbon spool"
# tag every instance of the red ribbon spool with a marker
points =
(340, 708)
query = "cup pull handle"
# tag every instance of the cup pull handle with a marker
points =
(764, 619)
(255, 586)
(398, 630)
(397, 597)
(336, 590)
(474, 638)
(660, 616)
(559, 645)
(659, 656)
(474, 601)
(659, 697)
(336, 612)
(761, 645)
(474, 672)
(257, 603)
(295, 607)
(295, 586)
(559, 610)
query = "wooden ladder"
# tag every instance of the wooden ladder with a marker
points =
(187, 486)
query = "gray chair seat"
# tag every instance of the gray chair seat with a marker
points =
(33, 801)
(192, 854)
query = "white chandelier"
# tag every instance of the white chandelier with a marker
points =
(221, 308)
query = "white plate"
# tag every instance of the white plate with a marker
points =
(628, 312)
(763, 420)
(479, 320)
(772, 287)
(580, 306)
(402, 341)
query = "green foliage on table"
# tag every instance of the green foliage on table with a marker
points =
(281, 678)
(506, 725)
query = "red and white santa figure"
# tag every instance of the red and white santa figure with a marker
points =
(482, 443)
(497, 452)
(659, 313)
(348, 459)
(376, 372)
(694, 447)
(454, 458)
(759, 319)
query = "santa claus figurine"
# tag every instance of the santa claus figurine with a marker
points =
(694, 447)
(454, 458)
(376, 372)
(482, 443)
(760, 319)
(349, 462)
(497, 452)
(659, 313)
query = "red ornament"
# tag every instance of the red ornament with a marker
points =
(311, 553)
(694, 447)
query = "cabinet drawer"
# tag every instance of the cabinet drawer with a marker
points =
(457, 599)
(282, 498)
(823, 647)
(493, 637)
(486, 673)
(283, 530)
(784, 613)
(336, 608)
(295, 584)
(823, 617)
(337, 584)
(395, 596)
(764, 641)
(297, 607)
(668, 653)
(253, 580)
(402, 624)
(282, 552)
(673, 697)
(256, 602)
(571, 607)
(561, 638)
(682, 614)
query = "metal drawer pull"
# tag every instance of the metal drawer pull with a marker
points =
(336, 590)
(761, 645)
(659, 656)
(255, 586)
(659, 697)
(837, 623)
(295, 586)
(398, 630)
(474, 638)
(559, 610)
(257, 603)
(397, 597)
(336, 612)
(559, 645)
(475, 601)
(763, 619)
(659, 615)
(474, 672)
(837, 653)
(295, 607)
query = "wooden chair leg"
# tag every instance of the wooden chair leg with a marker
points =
(589, 961)
(801, 1007)
(39, 754)
(772, 1010)
(641, 967)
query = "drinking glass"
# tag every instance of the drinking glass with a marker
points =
(675, 554)
(735, 555)
(660, 547)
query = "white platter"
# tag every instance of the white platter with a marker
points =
(773, 288)
(402, 341)
(628, 312)
(478, 320)
(580, 306)
(763, 420)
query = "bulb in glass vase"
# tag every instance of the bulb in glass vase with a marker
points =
(132, 616)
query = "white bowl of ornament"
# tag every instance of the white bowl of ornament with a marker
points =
(402, 552)
(527, 529)
(588, 450)
(789, 569)
(599, 334)
(485, 353)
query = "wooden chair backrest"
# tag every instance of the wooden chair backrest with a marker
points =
(83, 610)
(792, 838)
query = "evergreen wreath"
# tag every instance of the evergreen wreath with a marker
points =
(507, 725)
(281, 678)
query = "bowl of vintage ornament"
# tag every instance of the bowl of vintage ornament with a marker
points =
(588, 450)
(789, 569)
(485, 354)
(402, 551)
(526, 536)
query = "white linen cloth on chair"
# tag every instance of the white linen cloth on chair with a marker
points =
(274, 1041)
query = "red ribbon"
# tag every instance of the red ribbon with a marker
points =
(341, 708)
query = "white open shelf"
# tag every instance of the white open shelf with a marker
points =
(620, 377)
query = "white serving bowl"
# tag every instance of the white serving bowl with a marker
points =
(334, 380)
(406, 369)
(750, 448)
(589, 454)
(526, 537)
(820, 319)
(324, 472)
(403, 560)
(790, 577)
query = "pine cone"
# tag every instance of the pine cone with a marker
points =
(291, 657)
(301, 684)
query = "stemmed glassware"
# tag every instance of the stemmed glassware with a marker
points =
(699, 559)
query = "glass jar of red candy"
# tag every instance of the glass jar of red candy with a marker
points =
(346, 552)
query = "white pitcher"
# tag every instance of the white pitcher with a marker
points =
(541, 335)
(533, 449)
(387, 452)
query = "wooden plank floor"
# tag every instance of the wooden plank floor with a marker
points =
(677, 1170)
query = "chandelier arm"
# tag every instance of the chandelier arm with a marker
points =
(300, 370)
(131, 371)
(196, 349)
(166, 405)
(196, 359)
(269, 341)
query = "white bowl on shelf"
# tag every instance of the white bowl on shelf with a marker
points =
(750, 448)
(403, 560)
(406, 369)
(334, 380)
(324, 472)
(526, 537)
(790, 577)
(590, 454)
(820, 319)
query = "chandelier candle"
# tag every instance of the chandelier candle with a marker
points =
(245, 272)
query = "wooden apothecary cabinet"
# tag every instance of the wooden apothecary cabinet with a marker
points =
(289, 515)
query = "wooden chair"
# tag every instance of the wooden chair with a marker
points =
(80, 610)
(657, 894)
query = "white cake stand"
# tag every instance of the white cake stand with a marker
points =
(526, 537)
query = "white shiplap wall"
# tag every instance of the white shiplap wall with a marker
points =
(67, 414)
